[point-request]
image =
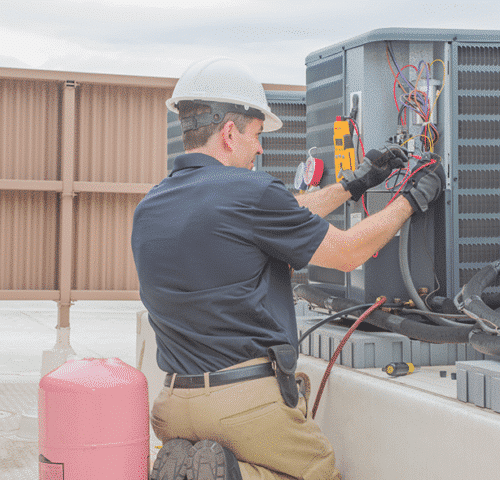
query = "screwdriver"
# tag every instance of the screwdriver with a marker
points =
(398, 369)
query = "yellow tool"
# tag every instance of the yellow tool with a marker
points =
(398, 369)
(344, 148)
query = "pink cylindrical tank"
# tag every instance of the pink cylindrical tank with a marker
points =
(93, 422)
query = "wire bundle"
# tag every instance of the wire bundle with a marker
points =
(416, 100)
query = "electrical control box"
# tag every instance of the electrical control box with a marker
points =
(391, 72)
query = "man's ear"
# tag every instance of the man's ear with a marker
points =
(228, 135)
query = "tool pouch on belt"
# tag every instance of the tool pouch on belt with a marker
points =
(285, 360)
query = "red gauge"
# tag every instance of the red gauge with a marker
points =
(313, 171)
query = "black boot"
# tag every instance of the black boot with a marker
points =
(208, 460)
(170, 463)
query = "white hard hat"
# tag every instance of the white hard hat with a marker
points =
(224, 80)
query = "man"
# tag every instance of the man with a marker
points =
(213, 245)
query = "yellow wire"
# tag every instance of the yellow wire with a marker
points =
(431, 143)
(444, 83)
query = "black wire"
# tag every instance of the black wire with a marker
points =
(342, 313)
(400, 113)
(396, 185)
(393, 57)
(458, 317)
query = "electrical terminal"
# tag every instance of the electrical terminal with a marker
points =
(403, 139)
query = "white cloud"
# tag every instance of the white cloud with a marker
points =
(33, 49)
(162, 37)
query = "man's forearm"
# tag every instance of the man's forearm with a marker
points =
(347, 249)
(375, 231)
(324, 201)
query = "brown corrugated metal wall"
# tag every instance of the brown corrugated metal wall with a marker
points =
(77, 153)
(28, 239)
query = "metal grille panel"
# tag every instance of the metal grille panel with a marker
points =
(285, 148)
(476, 197)
(488, 105)
(479, 55)
(478, 154)
(479, 204)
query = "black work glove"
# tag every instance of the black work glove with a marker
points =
(376, 167)
(426, 185)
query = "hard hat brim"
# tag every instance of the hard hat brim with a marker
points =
(271, 121)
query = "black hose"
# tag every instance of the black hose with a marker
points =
(485, 343)
(407, 280)
(472, 291)
(331, 318)
(312, 294)
(387, 321)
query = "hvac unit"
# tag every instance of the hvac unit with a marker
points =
(284, 149)
(386, 73)
(175, 146)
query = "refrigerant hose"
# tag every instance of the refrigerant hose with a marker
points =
(329, 367)
(473, 305)
(485, 343)
(387, 321)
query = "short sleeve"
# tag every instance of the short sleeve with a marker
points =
(284, 230)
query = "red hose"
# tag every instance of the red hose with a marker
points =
(379, 302)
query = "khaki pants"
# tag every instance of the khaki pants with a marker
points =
(270, 440)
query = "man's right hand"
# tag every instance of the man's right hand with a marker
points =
(426, 184)
(376, 167)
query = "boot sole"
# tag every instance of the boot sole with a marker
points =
(206, 461)
(170, 463)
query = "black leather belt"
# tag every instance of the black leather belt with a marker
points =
(223, 377)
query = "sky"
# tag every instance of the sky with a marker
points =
(162, 38)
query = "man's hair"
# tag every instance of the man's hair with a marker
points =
(198, 138)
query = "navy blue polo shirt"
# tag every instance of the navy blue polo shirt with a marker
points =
(212, 245)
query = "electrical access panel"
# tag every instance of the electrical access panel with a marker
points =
(426, 90)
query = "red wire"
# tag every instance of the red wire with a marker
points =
(407, 176)
(394, 89)
(379, 302)
(364, 205)
(363, 152)
(408, 172)
(359, 137)
(406, 181)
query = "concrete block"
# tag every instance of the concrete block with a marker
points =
(362, 350)
(478, 382)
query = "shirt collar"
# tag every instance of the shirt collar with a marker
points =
(193, 160)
